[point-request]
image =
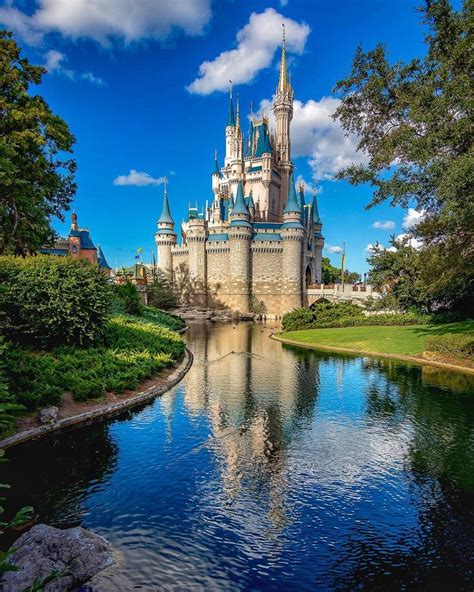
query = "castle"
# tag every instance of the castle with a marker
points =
(258, 246)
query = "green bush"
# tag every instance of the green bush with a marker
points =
(321, 313)
(459, 346)
(129, 297)
(165, 319)
(134, 349)
(326, 315)
(49, 301)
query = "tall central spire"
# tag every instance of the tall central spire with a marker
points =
(283, 80)
(231, 118)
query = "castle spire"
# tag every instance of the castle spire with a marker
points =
(238, 110)
(239, 205)
(165, 217)
(283, 79)
(292, 204)
(231, 118)
(315, 211)
(216, 163)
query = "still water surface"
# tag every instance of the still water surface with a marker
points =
(273, 468)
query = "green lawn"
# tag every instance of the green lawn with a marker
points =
(408, 340)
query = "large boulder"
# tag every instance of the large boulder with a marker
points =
(76, 553)
(49, 415)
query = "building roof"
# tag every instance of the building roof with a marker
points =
(218, 237)
(165, 217)
(263, 140)
(53, 251)
(316, 216)
(85, 238)
(240, 208)
(216, 165)
(264, 236)
(292, 203)
(101, 260)
(292, 225)
(272, 225)
(254, 169)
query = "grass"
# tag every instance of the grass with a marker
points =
(406, 340)
(136, 348)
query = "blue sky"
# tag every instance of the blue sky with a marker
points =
(126, 77)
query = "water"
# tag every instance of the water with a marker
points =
(272, 468)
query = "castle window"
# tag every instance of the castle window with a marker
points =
(74, 249)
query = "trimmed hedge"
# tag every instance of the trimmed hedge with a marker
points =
(459, 346)
(165, 319)
(326, 315)
(49, 301)
(135, 350)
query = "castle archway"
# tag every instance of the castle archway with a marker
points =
(308, 276)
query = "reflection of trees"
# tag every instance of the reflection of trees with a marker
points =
(443, 422)
(44, 476)
(258, 397)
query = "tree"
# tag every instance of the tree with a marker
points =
(160, 294)
(36, 182)
(414, 121)
(397, 270)
(332, 275)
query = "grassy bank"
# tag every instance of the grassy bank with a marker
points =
(135, 348)
(396, 340)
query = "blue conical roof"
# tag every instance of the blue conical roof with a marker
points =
(216, 165)
(231, 118)
(101, 260)
(316, 217)
(292, 204)
(239, 205)
(165, 217)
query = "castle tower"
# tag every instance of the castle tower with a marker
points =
(165, 237)
(283, 110)
(292, 233)
(196, 239)
(318, 238)
(240, 233)
(230, 132)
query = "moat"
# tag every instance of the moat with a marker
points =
(272, 468)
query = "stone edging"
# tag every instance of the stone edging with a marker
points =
(108, 410)
(422, 361)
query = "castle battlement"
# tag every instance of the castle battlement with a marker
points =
(257, 241)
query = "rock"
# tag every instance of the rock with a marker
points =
(48, 415)
(44, 549)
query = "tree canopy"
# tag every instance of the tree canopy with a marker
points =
(415, 124)
(36, 180)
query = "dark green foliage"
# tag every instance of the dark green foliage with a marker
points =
(134, 350)
(160, 294)
(326, 315)
(458, 346)
(36, 180)
(129, 297)
(53, 300)
(419, 115)
(320, 314)
(165, 319)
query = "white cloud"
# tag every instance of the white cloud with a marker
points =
(387, 225)
(256, 46)
(283, 3)
(104, 20)
(412, 218)
(55, 64)
(316, 135)
(412, 241)
(93, 79)
(137, 178)
(333, 248)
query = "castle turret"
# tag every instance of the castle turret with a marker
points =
(318, 238)
(230, 132)
(215, 175)
(165, 237)
(292, 233)
(283, 110)
(196, 239)
(240, 234)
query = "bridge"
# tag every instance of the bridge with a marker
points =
(341, 292)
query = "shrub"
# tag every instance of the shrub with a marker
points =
(321, 313)
(129, 297)
(53, 300)
(459, 346)
(165, 319)
(134, 349)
